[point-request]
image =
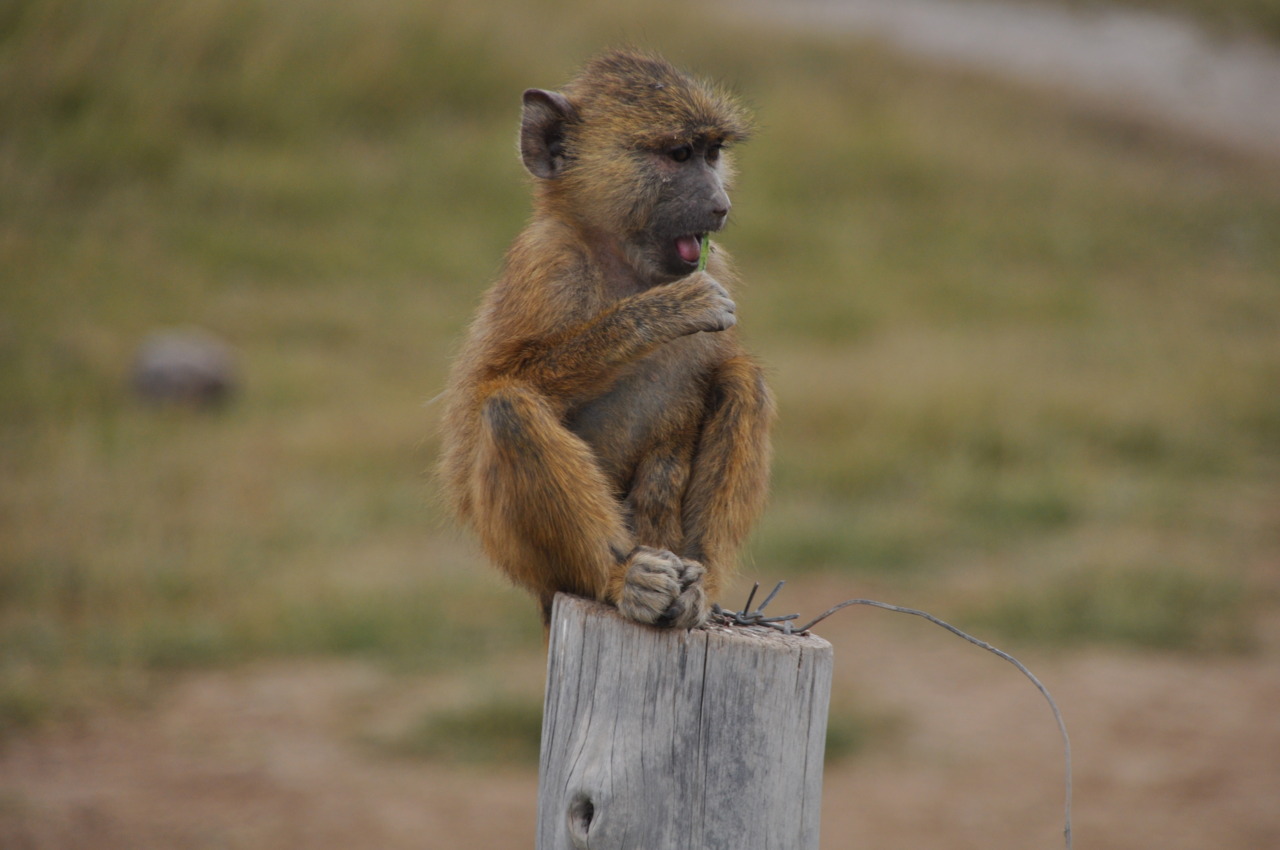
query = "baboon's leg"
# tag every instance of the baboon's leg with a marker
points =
(657, 490)
(542, 505)
(546, 515)
(730, 470)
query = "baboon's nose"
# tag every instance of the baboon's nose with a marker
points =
(718, 202)
(720, 211)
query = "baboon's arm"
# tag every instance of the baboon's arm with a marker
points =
(579, 361)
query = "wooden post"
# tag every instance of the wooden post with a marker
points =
(658, 739)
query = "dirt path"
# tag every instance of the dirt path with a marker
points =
(274, 756)
(1225, 90)
(1172, 751)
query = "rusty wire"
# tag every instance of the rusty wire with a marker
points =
(747, 617)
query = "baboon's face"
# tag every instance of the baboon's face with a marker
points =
(691, 201)
(633, 149)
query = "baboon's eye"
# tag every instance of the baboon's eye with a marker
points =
(713, 152)
(682, 153)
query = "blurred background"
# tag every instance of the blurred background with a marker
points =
(1025, 340)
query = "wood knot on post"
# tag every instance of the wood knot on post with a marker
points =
(662, 738)
(581, 813)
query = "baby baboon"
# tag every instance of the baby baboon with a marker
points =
(605, 433)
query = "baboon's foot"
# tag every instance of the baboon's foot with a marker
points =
(663, 589)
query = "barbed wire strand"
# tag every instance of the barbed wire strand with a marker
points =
(1053, 705)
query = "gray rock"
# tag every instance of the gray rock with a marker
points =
(185, 367)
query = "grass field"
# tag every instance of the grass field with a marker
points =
(1024, 351)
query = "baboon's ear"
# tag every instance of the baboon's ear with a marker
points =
(542, 127)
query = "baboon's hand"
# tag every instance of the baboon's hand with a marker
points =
(663, 589)
(704, 303)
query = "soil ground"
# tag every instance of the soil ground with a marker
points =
(1171, 750)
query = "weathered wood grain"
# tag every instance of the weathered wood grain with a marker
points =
(680, 740)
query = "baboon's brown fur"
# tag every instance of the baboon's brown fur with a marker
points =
(605, 432)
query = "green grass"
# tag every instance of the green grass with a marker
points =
(852, 729)
(1162, 606)
(996, 323)
(501, 728)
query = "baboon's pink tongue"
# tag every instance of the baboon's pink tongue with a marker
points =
(690, 249)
